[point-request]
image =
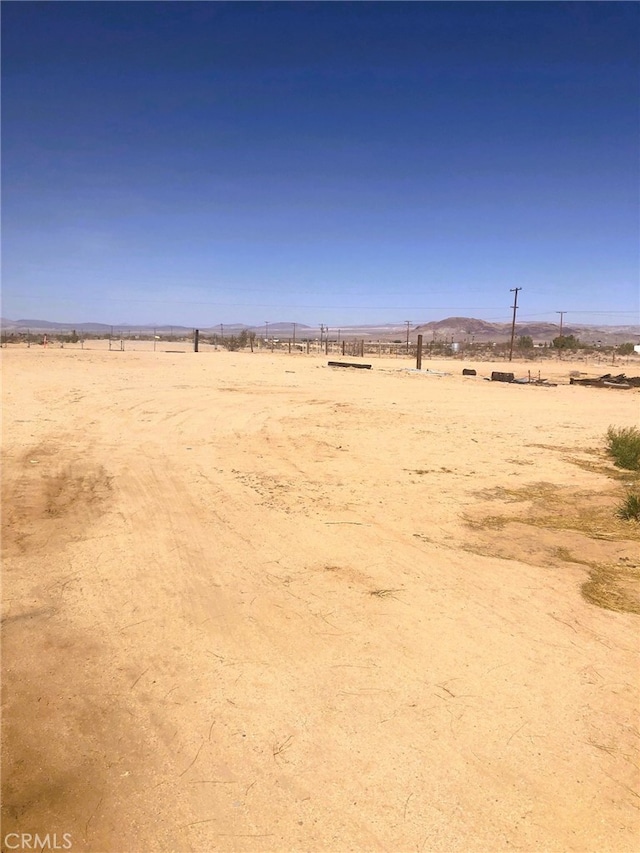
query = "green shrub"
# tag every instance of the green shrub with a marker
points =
(629, 509)
(624, 446)
(566, 342)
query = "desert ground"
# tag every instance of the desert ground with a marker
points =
(254, 603)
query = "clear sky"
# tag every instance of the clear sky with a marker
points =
(198, 163)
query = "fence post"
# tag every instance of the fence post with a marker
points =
(419, 354)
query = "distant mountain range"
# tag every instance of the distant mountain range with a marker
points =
(451, 328)
(225, 328)
(464, 328)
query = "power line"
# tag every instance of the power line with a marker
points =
(256, 304)
(335, 306)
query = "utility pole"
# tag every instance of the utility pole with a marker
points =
(221, 330)
(561, 313)
(407, 324)
(294, 334)
(513, 323)
(321, 334)
(266, 331)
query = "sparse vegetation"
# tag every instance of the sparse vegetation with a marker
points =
(629, 509)
(236, 342)
(623, 444)
(384, 593)
(566, 342)
(613, 587)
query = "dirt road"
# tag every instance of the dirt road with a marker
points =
(252, 603)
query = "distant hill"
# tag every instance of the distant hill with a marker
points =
(451, 328)
(231, 328)
(44, 325)
(465, 328)
(274, 328)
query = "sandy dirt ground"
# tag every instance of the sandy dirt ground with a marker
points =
(253, 603)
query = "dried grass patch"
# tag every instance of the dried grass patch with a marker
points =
(561, 512)
(614, 588)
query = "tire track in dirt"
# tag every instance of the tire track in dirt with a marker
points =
(66, 724)
(49, 498)
(48, 784)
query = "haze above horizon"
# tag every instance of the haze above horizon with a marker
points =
(343, 163)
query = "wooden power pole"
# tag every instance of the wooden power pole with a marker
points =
(513, 322)
(561, 313)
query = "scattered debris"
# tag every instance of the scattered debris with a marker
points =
(608, 381)
(525, 380)
(538, 381)
(348, 364)
(468, 371)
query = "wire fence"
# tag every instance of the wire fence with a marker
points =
(152, 340)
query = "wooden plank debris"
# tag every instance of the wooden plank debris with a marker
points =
(349, 364)
(608, 381)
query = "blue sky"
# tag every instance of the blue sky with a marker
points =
(198, 163)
